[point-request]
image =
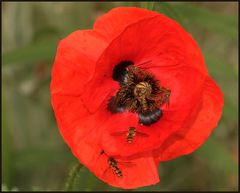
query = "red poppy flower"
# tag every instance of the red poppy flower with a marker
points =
(132, 92)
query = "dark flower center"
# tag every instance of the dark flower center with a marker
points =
(139, 92)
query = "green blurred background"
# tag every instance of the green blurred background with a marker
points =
(34, 156)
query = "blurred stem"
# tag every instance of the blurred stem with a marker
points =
(6, 145)
(72, 176)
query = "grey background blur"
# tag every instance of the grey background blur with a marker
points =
(34, 156)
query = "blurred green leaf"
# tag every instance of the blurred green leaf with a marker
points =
(148, 5)
(168, 10)
(5, 189)
(41, 157)
(197, 16)
(6, 146)
(217, 156)
(220, 68)
(37, 51)
(230, 112)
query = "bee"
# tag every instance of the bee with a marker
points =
(145, 90)
(141, 91)
(150, 117)
(113, 164)
(130, 134)
(114, 106)
(120, 71)
(134, 70)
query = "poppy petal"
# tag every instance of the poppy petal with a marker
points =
(75, 62)
(185, 83)
(83, 134)
(194, 133)
(115, 21)
(138, 172)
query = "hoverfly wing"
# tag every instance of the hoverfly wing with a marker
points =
(126, 164)
(108, 172)
(118, 133)
(141, 134)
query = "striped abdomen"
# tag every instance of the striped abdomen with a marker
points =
(113, 164)
(131, 134)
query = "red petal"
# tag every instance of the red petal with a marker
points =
(139, 172)
(185, 83)
(195, 131)
(73, 68)
(75, 62)
(115, 21)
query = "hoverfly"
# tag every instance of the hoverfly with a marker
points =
(118, 167)
(130, 134)
(112, 163)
